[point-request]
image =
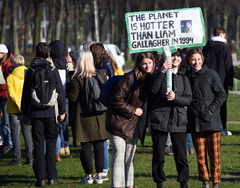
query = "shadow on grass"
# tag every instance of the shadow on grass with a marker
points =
(16, 179)
(235, 132)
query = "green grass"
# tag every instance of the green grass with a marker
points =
(70, 170)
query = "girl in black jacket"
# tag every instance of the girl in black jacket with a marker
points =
(203, 116)
(168, 115)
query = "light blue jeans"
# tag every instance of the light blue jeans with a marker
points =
(106, 157)
(5, 125)
(189, 141)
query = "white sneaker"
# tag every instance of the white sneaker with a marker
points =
(226, 133)
(86, 180)
(229, 133)
(98, 180)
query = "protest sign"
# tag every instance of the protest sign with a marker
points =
(153, 30)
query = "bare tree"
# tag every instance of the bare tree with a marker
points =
(59, 20)
(95, 8)
(14, 34)
(67, 20)
(237, 28)
(26, 7)
(51, 33)
(3, 22)
(37, 22)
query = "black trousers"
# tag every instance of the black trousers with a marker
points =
(86, 156)
(223, 110)
(44, 129)
(159, 139)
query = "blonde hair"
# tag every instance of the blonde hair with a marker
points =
(85, 65)
(17, 60)
(51, 61)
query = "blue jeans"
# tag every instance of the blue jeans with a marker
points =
(189, 141)
(106, 157)
(64, 133)
(5, 126)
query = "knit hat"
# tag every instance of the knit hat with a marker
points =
(3, 48)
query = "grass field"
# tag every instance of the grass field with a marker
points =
(70, 170)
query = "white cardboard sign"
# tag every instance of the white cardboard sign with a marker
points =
(152, 30)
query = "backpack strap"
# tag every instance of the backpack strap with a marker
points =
(110, 68)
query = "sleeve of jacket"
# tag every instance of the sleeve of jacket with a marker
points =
(218, 91)
(61, 94)
(156, 82)
(120, 95)
(228, 65)
(73, 89)
(186, 98)
(12, 93)
(26, 99)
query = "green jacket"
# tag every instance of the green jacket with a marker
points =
(86, 127)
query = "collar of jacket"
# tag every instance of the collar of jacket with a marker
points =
(190, 73)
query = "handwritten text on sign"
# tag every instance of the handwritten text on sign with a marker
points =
(147, 30)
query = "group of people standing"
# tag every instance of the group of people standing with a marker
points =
(139, 101)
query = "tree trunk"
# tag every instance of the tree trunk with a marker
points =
(14, 27)
(37, 23)
(111, 19)
(3, 22)
(204, 4)
(76, 20)
(67, 20)
(237, 28)
(82, 29)
(27, 25)
(60, 20)
(156, 6)
(226, 13)
(51, 26)
(95, 7)
(127, 54)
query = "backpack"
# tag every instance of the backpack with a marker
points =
(92, 90)
(106, 91)
(43, 87)
(119, 71)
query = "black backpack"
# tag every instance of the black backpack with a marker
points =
(92, 90)
(43, 86)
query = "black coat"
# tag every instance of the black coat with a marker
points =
(32, 111)
(208, 94)
(218, 57)
(165, 115)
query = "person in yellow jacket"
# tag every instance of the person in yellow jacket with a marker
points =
(14, 87)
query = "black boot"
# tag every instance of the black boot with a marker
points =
(184, 185)
(159, 184)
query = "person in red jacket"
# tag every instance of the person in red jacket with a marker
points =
(5, 63)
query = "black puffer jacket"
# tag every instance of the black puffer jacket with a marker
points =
(58, 54)
(218, 57)
(165, 115)
(208, 94)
